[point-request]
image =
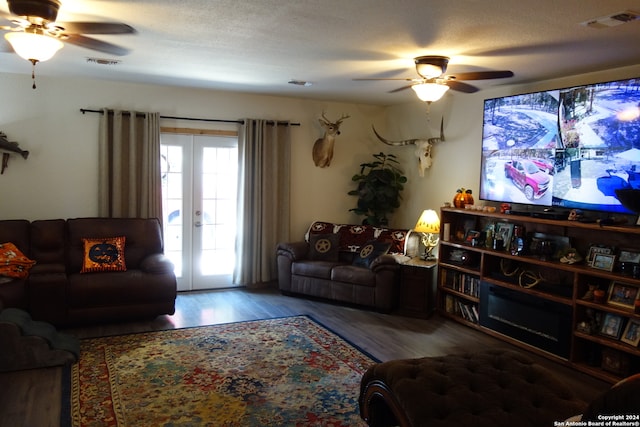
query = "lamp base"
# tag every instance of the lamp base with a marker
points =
(430, 241)
(428, 257)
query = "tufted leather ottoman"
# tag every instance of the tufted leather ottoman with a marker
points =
(494, 388)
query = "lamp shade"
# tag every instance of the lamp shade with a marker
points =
(430, 92)
(33, 46)
(428, 222)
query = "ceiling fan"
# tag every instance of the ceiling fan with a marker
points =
(36, 36)
(433, 83)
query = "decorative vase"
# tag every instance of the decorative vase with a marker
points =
(463, 197)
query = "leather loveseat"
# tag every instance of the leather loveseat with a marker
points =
(357, 264)
(57, 290)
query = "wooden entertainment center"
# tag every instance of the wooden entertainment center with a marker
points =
(473, 275)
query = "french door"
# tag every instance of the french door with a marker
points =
(199, 188)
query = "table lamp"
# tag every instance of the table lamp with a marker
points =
(429, 226)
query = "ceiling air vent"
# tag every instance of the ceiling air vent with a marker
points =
(612, 20)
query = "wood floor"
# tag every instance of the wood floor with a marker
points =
(32, 398)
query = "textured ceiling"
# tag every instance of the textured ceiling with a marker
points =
(257, 46)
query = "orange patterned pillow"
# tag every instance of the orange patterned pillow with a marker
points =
(14, 263)
(103, 254)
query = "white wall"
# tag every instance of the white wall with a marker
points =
(59, 178)
(457, 161)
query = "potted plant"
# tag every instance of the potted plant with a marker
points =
(380, 183)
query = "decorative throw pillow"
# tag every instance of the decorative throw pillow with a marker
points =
(14, 263)
(370, 251)
(103, 254)
(324, 247)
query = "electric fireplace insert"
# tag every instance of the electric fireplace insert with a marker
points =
(527, 318)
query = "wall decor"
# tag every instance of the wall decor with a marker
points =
(423, 147)
(9, 147)
(323, 147)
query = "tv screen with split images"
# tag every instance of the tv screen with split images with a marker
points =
(570, 148)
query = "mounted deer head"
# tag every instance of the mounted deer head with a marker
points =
(323, 147)
(423, 147)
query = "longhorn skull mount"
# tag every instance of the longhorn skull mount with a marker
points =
(423, 147)
(323, 147)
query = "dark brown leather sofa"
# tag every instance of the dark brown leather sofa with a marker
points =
(338, 278)
(55, 290)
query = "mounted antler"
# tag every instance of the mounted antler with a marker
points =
(323, 147)
(423, 147)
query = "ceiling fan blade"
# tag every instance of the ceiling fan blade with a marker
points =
(5, 47)
(406, 79)
(94, 44)
(96, 28)
(461, 87)
(5, 15)
(482, 75)
(401, 88)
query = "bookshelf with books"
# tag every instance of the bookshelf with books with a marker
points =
(469, 264)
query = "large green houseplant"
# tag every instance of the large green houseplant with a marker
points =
(380, 184)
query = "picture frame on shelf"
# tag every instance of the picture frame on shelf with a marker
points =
(622, 294)
(611, 326)
(549, 245)
(463, 227)
(598, 249)
(471, 238)
(631, 334)
(504, 230)
(629, 255)
(615, 362)
(603, 261)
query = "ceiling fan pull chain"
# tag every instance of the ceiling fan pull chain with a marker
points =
(33, 73)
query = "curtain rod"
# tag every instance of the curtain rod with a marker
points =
(86, 110)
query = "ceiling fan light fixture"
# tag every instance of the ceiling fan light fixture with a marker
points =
(430, 92)
(33, 46)
(432, 66)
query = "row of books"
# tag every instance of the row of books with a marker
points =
(467, 311)
(461, 282)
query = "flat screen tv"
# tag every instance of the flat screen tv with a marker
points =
(569, 148)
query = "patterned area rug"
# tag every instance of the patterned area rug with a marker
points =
(278, 372)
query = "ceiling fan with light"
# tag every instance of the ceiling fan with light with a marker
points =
(433, 83)
(36, 36)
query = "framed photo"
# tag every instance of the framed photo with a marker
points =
(603, 261)
(598, 249)
(611, 326)
(505, 231)
(631, 334)
(622, 294)
(471, 235)
(463, 227)
(615, 361)
(629, 255)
